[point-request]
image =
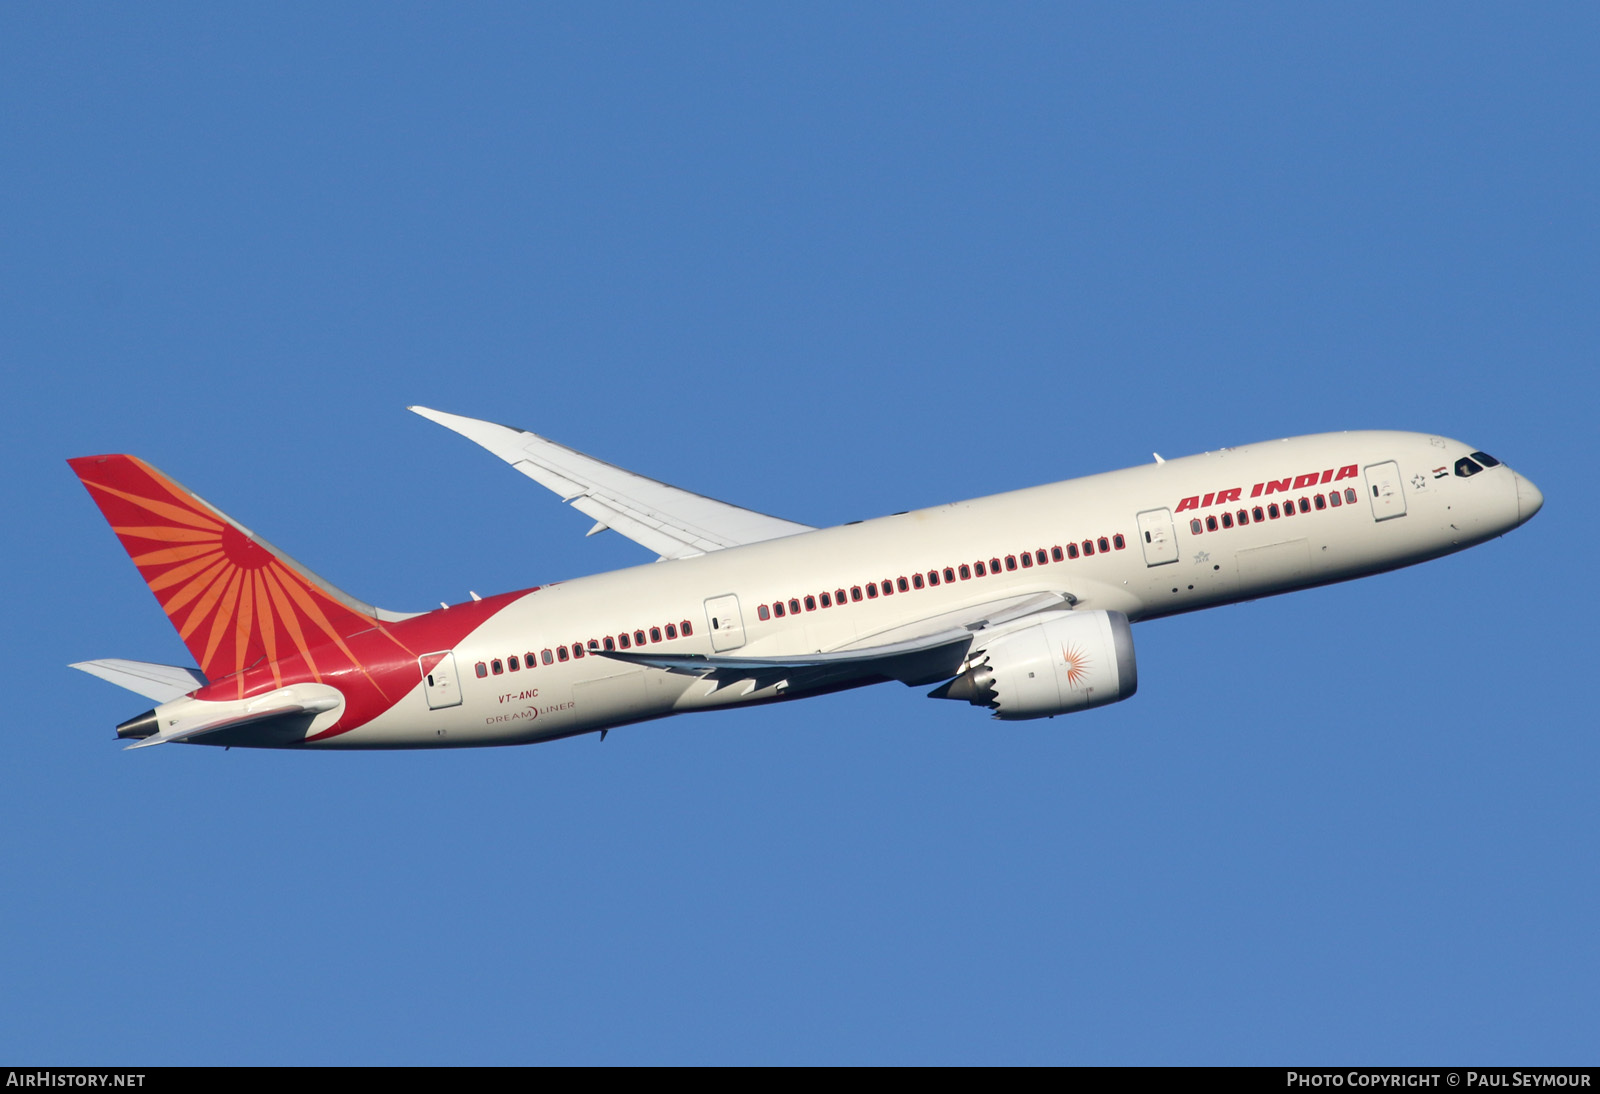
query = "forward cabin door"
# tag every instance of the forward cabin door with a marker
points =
(1383, 490)
(439, 682)
(1156, 533)
(727, 625)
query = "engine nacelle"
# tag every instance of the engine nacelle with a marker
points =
(1072, 662)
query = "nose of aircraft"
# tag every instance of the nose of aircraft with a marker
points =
(1529, 499)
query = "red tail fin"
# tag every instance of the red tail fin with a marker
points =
(234, 598)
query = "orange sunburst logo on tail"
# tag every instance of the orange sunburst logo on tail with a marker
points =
(234, 602)
(1077, 662)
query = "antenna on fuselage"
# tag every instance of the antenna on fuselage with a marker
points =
(1157, 455)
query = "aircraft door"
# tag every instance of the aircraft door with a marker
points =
(727, 625)
(439, 681)
(1384, 492)
(1159, 539)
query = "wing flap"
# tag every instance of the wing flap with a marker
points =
(673, 522)
(919, 661)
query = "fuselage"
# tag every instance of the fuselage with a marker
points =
(1148, 541)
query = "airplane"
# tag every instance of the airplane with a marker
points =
(1019, 602)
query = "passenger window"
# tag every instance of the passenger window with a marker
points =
(561, 653)
(979, 569)
(872, 590)
(623, 641)
(949, 574)
(1056, 555)
(763, 612)
(916, 581)
(887, 586)
(512, 663)
(827, 601)
(655, 635)
(638, 638)
(496, 667)
(577, 650)
(794, 606)
(965, 571)
(1272, 511)
(1041, 557)
(1072, 550)
(1333, 498)
(1211, 525)
(547, 657)
(1259, 514)
(530, 660)
(1243, 516)
(811, 603)
(1350, 495)
(1320, 502)
(481, 669)
(1088, 548)
(855, 593)
(1011, 562)
(902, 584)
(839, 595)
(1105, 544)
(1027, 561)
(610, 644)
(777, 609)
(1118, 542)
(933, 577)
(1227, 520)
(1194, 528)
(672, 631)
(994, 565)
(1305, 505)
(687, 628)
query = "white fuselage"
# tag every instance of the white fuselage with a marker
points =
(1399, 501)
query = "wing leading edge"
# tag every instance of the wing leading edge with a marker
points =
(672, 522)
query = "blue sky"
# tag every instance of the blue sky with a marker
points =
(827, 262)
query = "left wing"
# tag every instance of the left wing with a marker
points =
(672, 522)
(920, 653)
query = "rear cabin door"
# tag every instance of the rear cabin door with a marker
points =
(439, 681)
(1384, 492)
(727, 625)
(1156, 533)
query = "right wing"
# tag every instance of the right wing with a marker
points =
(670, 521)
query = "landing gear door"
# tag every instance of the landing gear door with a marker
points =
(1156, 533)
(727, 625)
(439, 682)
(1384, 492)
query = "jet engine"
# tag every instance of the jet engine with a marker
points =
(1071, 662)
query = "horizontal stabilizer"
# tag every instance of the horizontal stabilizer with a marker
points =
(672, 522)
(163, 683)
(287, 703)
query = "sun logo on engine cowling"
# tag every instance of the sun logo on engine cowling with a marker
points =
(1077, 662)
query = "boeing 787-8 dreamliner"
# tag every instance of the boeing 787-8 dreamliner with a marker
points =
(1019, 602)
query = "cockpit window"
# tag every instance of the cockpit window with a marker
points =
(1486, 459)
(1466, 467)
